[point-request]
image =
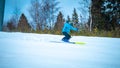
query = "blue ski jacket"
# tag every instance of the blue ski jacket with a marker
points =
(67, 27)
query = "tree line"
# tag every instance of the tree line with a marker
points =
(43, 16)
(104, 15)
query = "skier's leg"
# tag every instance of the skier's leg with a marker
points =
(67, 37)
(64, 38)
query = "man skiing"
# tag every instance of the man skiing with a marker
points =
(66, 30)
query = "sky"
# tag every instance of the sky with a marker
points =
(66, 7)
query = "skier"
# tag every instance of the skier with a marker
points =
(66, 31)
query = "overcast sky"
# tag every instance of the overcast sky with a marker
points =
(67, 7)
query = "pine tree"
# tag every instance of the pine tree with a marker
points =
(97, 19)
(111, 12)
(68, 18)
(23, 24)
(75, 17)
(59, 23)
(11, 26)
(105, 14)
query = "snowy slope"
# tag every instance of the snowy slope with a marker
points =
(29, 50)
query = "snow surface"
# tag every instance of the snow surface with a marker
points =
(30, 50)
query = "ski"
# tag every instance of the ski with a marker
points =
(80, 43)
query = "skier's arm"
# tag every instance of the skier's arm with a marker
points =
(73, 28)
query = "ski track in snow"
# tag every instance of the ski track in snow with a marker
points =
(30, 50)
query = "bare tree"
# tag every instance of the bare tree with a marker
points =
(43, 13)
(16, 14)
(49, 8)
(34, 12)
(12, 23)
(54, 9)
(86, 4)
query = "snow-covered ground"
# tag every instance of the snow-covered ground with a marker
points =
(30, 50)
